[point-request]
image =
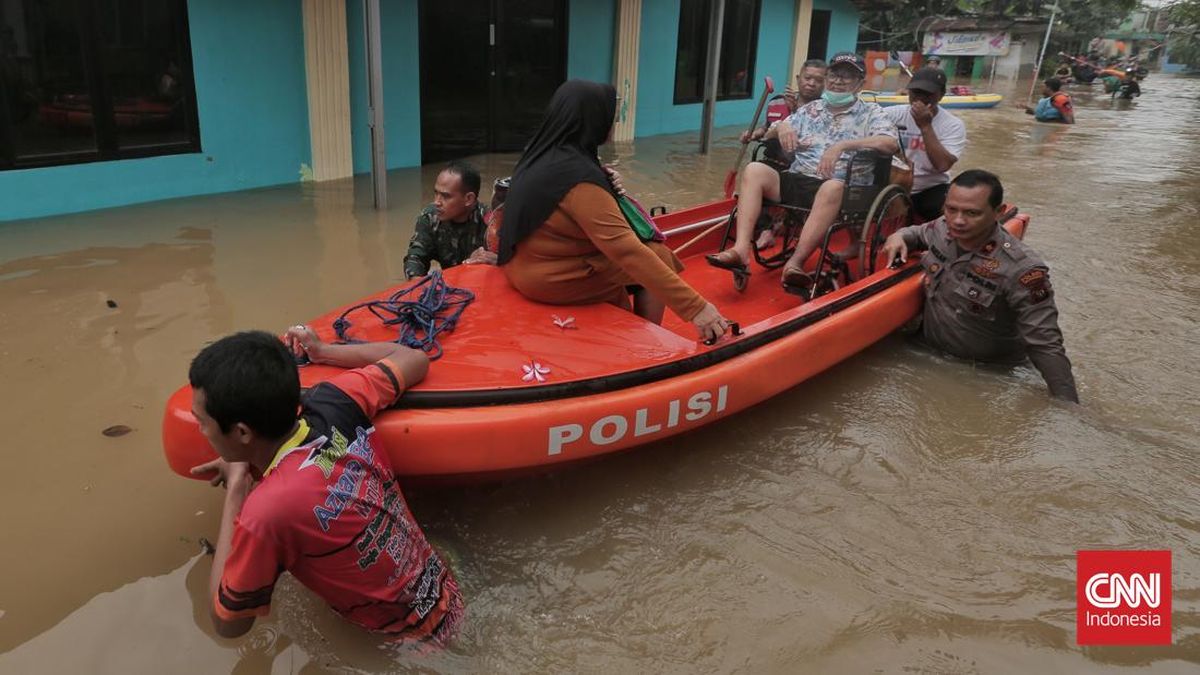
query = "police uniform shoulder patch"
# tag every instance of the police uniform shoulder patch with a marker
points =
(1034, 277)
(1037, 282)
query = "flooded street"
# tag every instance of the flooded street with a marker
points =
(901, 512)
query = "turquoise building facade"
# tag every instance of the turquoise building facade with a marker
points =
(252, 99)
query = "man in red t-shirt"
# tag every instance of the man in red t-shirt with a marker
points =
(326, 506)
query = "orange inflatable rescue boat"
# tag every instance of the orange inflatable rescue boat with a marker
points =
(523, 387)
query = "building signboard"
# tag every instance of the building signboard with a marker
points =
(977, 43)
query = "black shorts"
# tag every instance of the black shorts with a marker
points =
(796, 189)
(928, 203)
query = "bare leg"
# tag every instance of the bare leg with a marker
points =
(647, 306)
(826, 205)
(758, 181)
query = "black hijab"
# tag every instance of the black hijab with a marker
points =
(561, 155)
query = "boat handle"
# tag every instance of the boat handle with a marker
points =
(734, 328)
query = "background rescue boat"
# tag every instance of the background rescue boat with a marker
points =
(887, 98)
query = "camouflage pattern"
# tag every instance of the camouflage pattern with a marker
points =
(991, 304)
(447, 243)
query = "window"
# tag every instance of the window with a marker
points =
(739, 42)
(90, 80)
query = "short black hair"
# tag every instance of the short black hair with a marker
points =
(976, 177)
(1054, 83)
(468, 173)
(248, 377)
(814, 63)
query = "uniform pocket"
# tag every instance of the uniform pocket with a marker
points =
(977, 300)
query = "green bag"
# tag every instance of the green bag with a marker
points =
(639, 220)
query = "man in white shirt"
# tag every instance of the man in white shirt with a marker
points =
(933, 139)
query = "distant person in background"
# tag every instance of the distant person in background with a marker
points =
(452, 228)
(1128, 88)
(932, 137)
(1055, 105)
(1085, 71)
(934, 62)
(1064, 74)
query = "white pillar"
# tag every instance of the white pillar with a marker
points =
(625, 67)
(327, 73)
(804, 10)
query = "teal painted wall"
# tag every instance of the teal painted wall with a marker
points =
(656, 111)
(843, 25)
(248, 60)
(591, 35)
(401, 84)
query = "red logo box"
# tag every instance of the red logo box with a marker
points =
(1123, 597)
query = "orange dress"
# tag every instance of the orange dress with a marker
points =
(586, 252)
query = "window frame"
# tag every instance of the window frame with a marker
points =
(756, 27)
(104, 120)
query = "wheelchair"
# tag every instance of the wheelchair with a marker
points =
(873, 207)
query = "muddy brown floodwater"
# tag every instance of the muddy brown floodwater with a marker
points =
(902, 512)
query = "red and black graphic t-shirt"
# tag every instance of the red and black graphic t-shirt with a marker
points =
(329, 511)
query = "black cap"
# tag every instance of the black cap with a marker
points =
(929, 80)
(850, 59)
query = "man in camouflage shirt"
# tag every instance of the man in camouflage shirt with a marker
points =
(450, 229)
(987, 294)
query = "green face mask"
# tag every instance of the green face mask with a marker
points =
(838, 100)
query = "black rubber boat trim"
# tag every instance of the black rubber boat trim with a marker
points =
(471, 398)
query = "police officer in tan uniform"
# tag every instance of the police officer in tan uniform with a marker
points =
(987, 294)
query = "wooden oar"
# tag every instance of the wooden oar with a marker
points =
(731, 178)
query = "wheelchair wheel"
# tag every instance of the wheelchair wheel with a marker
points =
(891, 211)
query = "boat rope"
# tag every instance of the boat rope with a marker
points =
(420, 321)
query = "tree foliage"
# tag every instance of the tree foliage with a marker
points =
(1185, 32)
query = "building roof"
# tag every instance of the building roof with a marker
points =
(1022, 24)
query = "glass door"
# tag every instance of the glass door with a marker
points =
(488, 69)
(454, 78)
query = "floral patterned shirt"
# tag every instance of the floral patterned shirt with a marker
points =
(815, 122)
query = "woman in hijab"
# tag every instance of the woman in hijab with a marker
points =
(564, 239)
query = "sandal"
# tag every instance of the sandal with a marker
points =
(798, 282)
(732, 261)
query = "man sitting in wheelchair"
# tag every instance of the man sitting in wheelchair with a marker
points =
(821, 137)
